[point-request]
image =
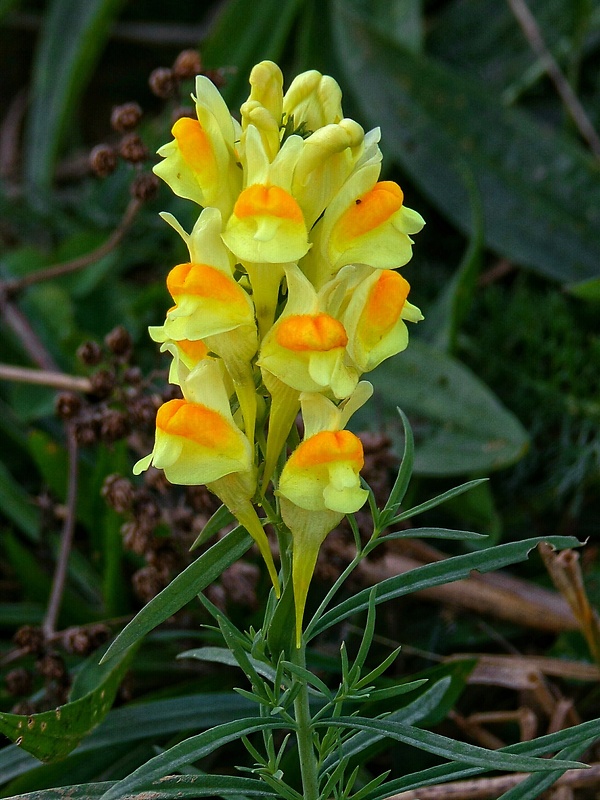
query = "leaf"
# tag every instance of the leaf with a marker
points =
(586, 290)
(537, 747)
(435, 533)
(169, 788)
(188, 751)
(540, 191)
(61, 71)
(203, 571)
(135, 723)
(220, 655)
(451, 569)
(448, 748)
(459, 424)
(51, 735)
(246, 33)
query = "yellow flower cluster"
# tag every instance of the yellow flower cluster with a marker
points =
(289, 296)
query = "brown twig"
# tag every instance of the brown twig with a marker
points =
(14, 285)
(66, 539)
(574, 107)
(56, 380)
(20, 326)
(565, 570)
(489, 788)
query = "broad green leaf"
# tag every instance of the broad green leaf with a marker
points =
(540, 190)
(188, 751)
(460, 425)
(17, 505)
(447, 571)
(51, 735)
(72, 37)
(133, 723)
(246, 33)
(450, 749)
(203, 571)
(170, 788)
(446, 772)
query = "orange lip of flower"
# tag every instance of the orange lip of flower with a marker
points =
(195, 349)
(203, 281)
(369, 211)
(267, 201)
(195, 148)
(318, 332)
(384, 306)
(328, 446)
(197, 423)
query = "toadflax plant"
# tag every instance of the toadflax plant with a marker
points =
(289, 296)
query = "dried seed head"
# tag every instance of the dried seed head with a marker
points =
(90, 353)
(188, 64)
(30, 639)
(52, 666)
(133, 149)
(124, 118)
(67, 405)
(114, 425)
(87, 431)
(83, 641)
(118, 493)
(163, 82)
(18, 681)
(119, 341)
(147, 583)
(103, 160)
(103, 382)
(145, 187)
(133, 376)
(136, 537)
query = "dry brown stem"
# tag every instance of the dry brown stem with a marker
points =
(536, 41)
(498, 595)
(56, 380)
(490, 788)
(15, 285)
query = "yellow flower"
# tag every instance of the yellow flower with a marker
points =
(264, 108)
(267, 224)
(200, 163)
(375, 315)
(319, 484)
(198, 443)
(313, 101)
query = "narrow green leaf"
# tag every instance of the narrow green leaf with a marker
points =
(187, 752)
(537, 747)
(404, 474)
(539, 188)
(216, 523)
(450, 749)
(376, 695)
(411, 713)
(183, 588)
(436, 501)
(220, 655)
(169, 788)
(435, 533)
(586, 290)
(51, 735)
(447, 571)
(63, 64)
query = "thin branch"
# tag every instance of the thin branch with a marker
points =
(14, 285)
(490, 788)
(534, 36)
(66, 539)
(57, 380)
(20, 326)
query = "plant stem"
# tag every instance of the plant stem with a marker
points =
(304, 734)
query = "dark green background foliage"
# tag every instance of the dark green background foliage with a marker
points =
(501, 380)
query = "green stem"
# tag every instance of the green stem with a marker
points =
(304, 734)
